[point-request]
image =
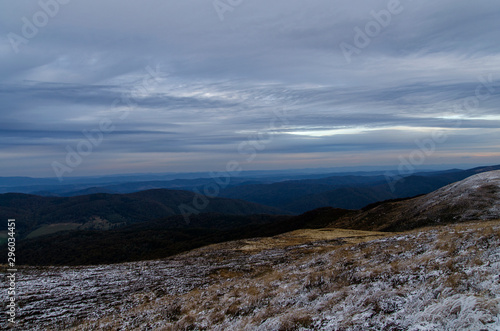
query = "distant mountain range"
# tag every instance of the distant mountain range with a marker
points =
(72, 186)
(111, 206)
(348, 192)
(133, 233)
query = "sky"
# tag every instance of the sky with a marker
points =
(93, 87)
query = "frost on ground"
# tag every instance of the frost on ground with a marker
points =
(476, 197)
(440, 278)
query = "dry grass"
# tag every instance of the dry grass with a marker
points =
(330, 279)
(300, 237)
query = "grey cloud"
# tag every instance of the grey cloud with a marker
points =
(221, 82)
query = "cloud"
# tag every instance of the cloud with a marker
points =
(220, 83)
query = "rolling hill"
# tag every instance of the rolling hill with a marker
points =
(105, 211)
(159, 238)
(474, 198)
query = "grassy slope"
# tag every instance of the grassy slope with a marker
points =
(439, 278)
(476, 197)
(52, 228)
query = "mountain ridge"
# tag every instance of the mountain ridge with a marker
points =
(474, 198)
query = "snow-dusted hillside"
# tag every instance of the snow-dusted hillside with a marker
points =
(477, 197)
(474, 198)
(444, 278)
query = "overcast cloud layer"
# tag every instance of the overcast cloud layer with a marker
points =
(191, 85)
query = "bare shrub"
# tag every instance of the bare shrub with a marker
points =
(294, 321)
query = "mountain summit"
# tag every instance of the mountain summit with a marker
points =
(474, 198)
